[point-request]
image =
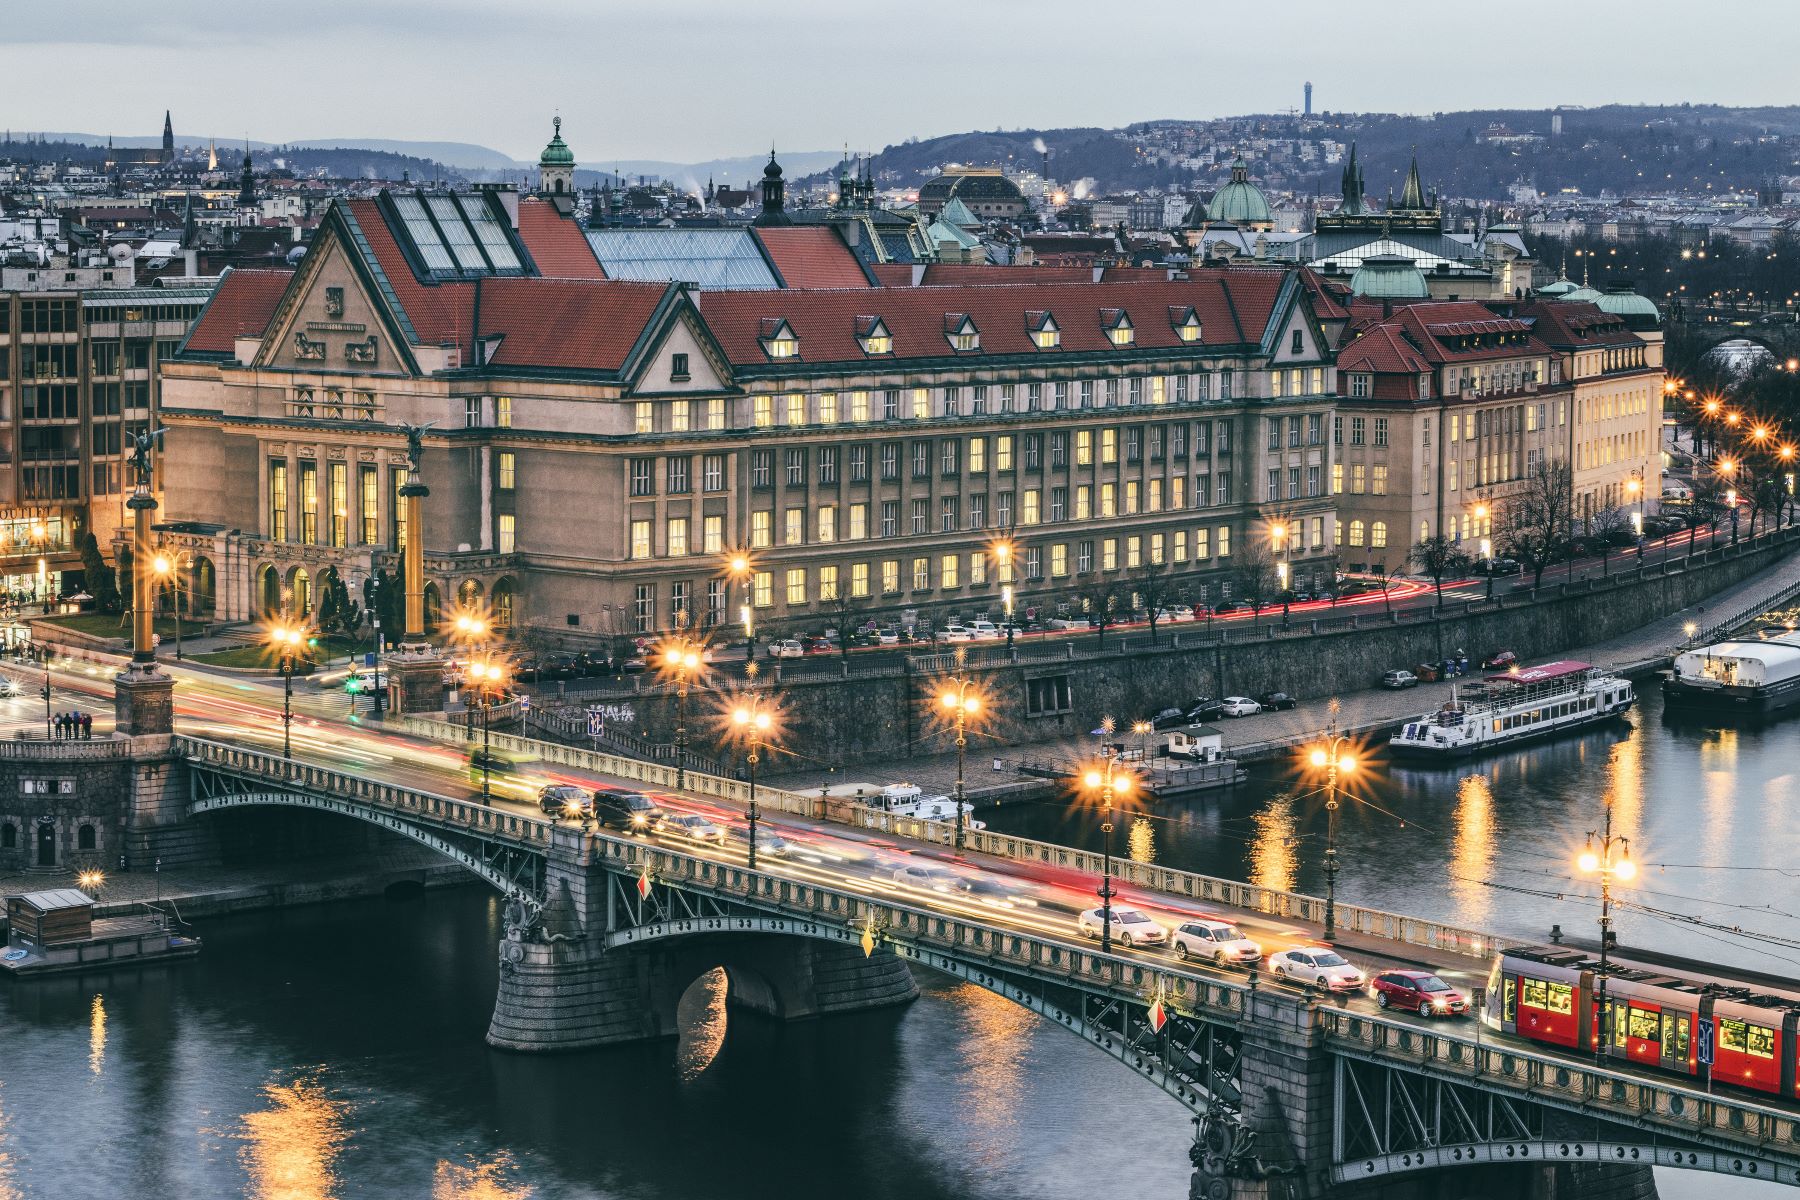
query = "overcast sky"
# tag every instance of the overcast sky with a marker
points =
(697, 79)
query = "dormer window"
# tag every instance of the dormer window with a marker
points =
(778, 340)
(1117, 324)
(961, 332)
(873, 336)
(1045, 334)
(1186, 322)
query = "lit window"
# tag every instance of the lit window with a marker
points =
(921, 403)
(1189, 330)
(508, 470)
(762, 589)
(828, 408)
(759, 529)
(678, 537)
(1121, 333)
(763, 411)
(640, 539)
(947, 566)
(796, 408)
(503, 411)
(796, 586)
(509, 531)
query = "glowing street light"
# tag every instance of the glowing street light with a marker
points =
(1334, 755)
(1109, 781)
(683, 659)
(289, 642)
(165, 567)
(1601, 860)
(753, 722)
(736, 567)
(489, 678)
(960, 701)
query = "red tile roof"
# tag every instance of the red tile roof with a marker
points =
(240, 307)
(556, 242)
(1233, 307)
(441, 313)
(811, 256)
(588, 325)
(953, 274)
(893, 274)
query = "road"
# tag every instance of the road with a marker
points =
(1034, 898)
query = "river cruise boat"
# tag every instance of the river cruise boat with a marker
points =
(1515, 706)
(1747, 676)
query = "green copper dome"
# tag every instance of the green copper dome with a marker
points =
(1240, 202)
(1622, 301)
(1389, 277)
(557, 153)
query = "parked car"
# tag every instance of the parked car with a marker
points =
(1240, 706)
(1205, 708)
(1066, 623)
(1399, 679)
(1497, 566)
(1278, 700)
(887, 635)
(1169, 718)
(787, 648)
(954, 633)
(1420, 992)
(1316, 965)
(1499, 660)
(1220, 941)
(694, 826)
(1182, 612)
(984, 630)
(564, 800)
(1225, 608)
(1129, 927)
(631, 812)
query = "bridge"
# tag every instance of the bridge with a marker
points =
(1293, 1094)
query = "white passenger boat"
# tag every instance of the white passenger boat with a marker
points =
(1513, 706)
(1749, 675)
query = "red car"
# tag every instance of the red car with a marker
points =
(1500, 660)
(1420, 992)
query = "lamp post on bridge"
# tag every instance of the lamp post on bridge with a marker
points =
(684, 658)
(1109, 781)
(1332, 755)
(289, 642)
(488, 677)
(960, 700)
(753, 722)
(1600, 861)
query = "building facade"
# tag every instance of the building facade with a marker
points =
(599, 448)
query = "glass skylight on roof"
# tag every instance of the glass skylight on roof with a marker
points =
(457, 234)
(711, 258)
(424, 234)
(489, 232)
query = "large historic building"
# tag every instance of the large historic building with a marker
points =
(597, 446)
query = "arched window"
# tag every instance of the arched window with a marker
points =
(1378, 534)
(270, 591)
(1356, 533)
(468, 593)
(85, 838)
(1424, 530)
(9, 836)
(300, 596)
(503, 602)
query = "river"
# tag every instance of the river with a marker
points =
(337, 1051)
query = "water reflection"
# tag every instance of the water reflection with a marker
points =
(1472, 850)
(701, 1017)
(291, 1146)
(8, 1189)
(991, 1036)
(96, 1034)
(478, 1180)
(1140, 840)
(1272, 848)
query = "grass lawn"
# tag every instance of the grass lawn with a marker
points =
(260, 656)
(109, 625)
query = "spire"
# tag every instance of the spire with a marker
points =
(1412, 196)
(168, 143)
(774, 195)
(1352, 187)
(212, 154)
(247, 180)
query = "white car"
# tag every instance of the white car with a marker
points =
(925, 878)
(887, 637)
(1241, 706)
(695, 826)
(787, 648)
(1065, 623)
(1318, 966)
(954, 633)
(985, 629)
(1220, 941)
(1181, 612)
(1129, 927)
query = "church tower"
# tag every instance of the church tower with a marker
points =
(246, 196)
(774, 196)
(556, 166)
(168, 146)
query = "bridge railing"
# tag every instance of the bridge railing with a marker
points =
(465, 815)
(1669, 1107)
(1206, 889)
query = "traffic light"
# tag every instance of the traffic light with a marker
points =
(354, 685)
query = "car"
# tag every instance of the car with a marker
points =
(1418, 991)
(1129, 927)
(1221, 941)
(954, 633)
(787, 648)
(695, 827)
(925, 878)
(985, 891)
(985, 629)
(564, 800)
(1399, 679)
(1302, 597)
(1182, 612)
(1320, 966)
(1065, 623)
(1499, 660)
(1240, 706)
(1278, 700)
(766, 843)
(631, 812)
(1169, 718)
(1225, 608)
(887, 636)
(1204, 709)
(637, 664)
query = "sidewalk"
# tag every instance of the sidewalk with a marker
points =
(1271, 733)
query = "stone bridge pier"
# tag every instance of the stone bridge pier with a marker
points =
(580, 978)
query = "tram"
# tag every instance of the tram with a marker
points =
(1712, 1030)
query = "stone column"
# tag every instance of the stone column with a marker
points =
(415, 673)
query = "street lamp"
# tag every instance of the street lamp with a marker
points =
(1690, 629)
(289, 642)
(38, 534)
(737, 568)
(1601, 862)
(1108, 780)
(488, 677)
(1002, 550)
(166, 568)
(1634, 488)
(1333, 757)
(682, 658)
(1278, 533)
(753, 722)
(1487, 544)
(961, 702)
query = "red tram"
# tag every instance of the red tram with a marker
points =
(1658, 1017)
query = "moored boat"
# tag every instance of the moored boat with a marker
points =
(1741, 676)
(1515, 706)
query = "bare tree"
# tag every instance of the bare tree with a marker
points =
(1707, 503)
(1439, 556)
(1102, 598)
(1605, 524)
(1256, 575)
(1155, 587)
(848, 613)
(1534, 524)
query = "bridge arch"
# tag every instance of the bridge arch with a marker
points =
(1563, 1151)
